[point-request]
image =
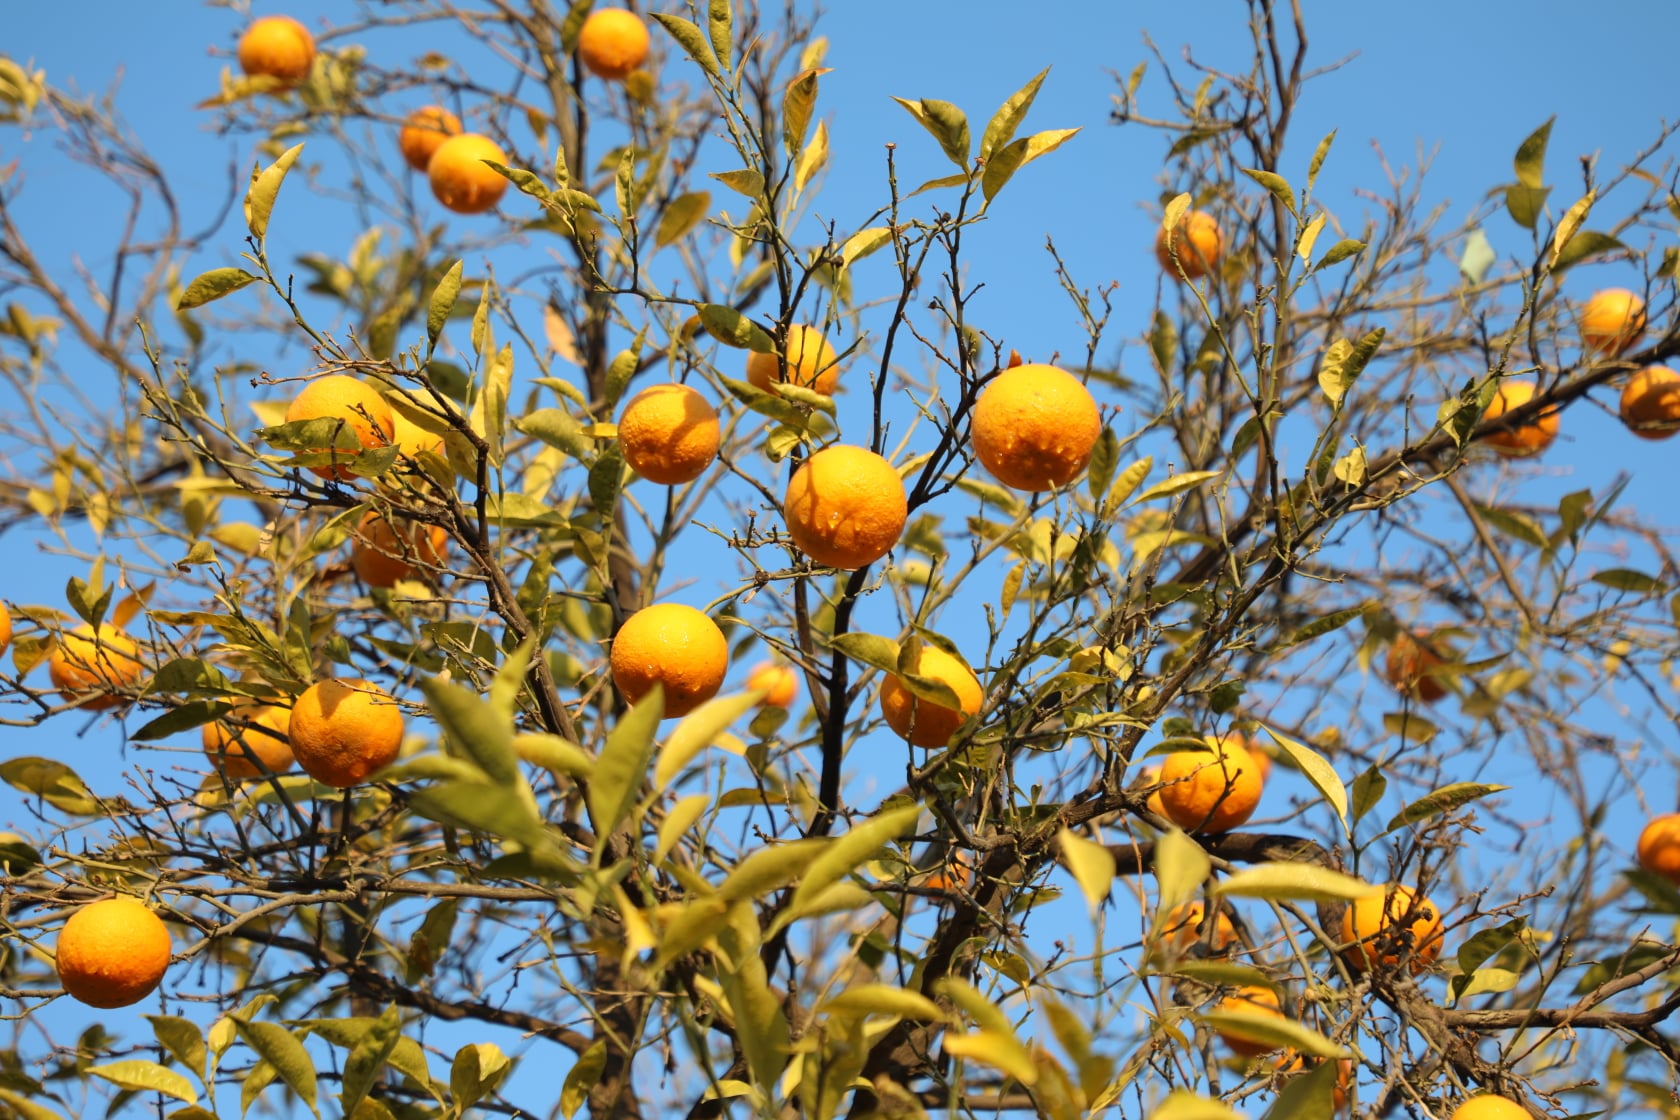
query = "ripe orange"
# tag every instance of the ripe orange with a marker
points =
(1651, 403)
(112, 953)
(1489, 1107)
(845, 507)
(1197, 240)
(423, 132)
(672, 645)
(613, 42)
(1182, 928)
(1390, 924)
(810, 363)
(778, 681)
(277, 47)
(1659, 847)
(250, 752)
(381, 555)
(460, 178)
(1529, 439)
(1251, 999)
(90, 667)
(923, 722)
(5, 628)
(1413, 667)
(1034, 427)
(344, 730)
(669, 434)
(350, 401)
(1210, 791)
(1612, 321)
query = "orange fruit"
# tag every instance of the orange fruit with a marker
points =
(344, 730)
(613, 42)
(381, 555)
(5, 628)
(845, 507)
(1413, 667)
(1181, 928)
(423, 132)
(352, 402)
(1659, 847)
(669, 434)
(1389, 924)
(672, 645)
(1197, 240)
(90, 667)
(460, 178)
(112, 953)
(277, 47)
(411, 439)
(1034, 427)
(1651, 403)
(250, 752)
(923, 722)
(778, 681)
(1612, 321)
(1210, 791)
(1489, 1107)
(810, 362)
(1529, 439)
(1251, 999)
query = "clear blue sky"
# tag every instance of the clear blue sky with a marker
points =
(1460, 83)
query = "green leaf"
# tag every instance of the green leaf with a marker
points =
(1410, 727)
(1001, 128)
(1485, 943)
(213, 285)
(1477, 258)
(1277, 184)
(475, 1073)
(1339, 252)
(558, 428)
(485, 807)
(1368, 789)
(1569, 225)
(945, 123)
(586, 1072)
(732, 328)
(1277, 1032)
(1311, 1096)
(1184, 1105)
(27, 1109)
(265, 188)
(430, 941)
(1515, 524)
(1627, 579)
(476, 730)
(681, 216)
(1181, 869)
(1000, 1050)
(1092, 865)
(1318, 155)
(368, 1057)
(1175, 211)
(697, 731)
(798, 103)
(1530, 159)
(1443, 800)
(720, 23)
(281, 1049)
(606, 480)
(1177, 484)
(863, 243)
(1130, 479)
(443, 299)
(53, 782)
(1163, 342)
(141, 1076)
(871, 649)
(183, 1040)
(1105, 456)
(1318, 771)
(1324, 624)
(1525, 204)
(623, 765)
(1587, 243)
(760, 1025)
(1343, 363)
(882, 999)
(850, 851)
(746, 181)
(1279, 882)
(1002, 166)
(770, 869)
(689, 38)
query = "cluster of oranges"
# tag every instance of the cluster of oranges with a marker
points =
(613, 43)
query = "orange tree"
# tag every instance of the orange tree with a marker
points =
(486, 780)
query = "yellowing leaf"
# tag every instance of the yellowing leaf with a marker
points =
(1092, 866)
(1279, 882)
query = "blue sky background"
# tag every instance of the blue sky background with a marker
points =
(1459, 84)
